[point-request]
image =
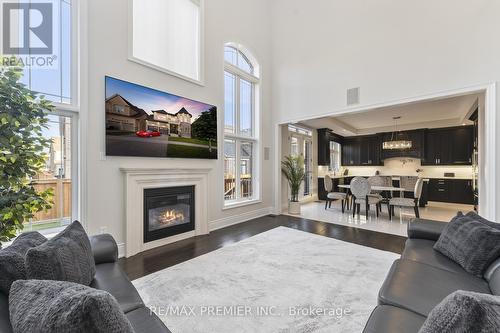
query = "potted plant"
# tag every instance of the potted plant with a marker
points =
(294, 171)
(23, 116)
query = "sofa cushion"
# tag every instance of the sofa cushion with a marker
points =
(12, 259)
(422, 250)
(420, 287)
(5, 326)
(66, 257)
(472, 244)
(387, 318)
(425, 229)
(111, 278)
(143, 320)
(464, 311)
(60, 306)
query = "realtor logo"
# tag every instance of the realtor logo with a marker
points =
(27, 28)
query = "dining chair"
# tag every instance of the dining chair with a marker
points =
(408, 182)
(360, 189)
(408, 202)
(376, 181)
(384, 196)
(332, 196)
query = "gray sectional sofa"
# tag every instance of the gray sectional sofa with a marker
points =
(111, 278)
(421, 279)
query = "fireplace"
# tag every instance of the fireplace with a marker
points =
(168, 211)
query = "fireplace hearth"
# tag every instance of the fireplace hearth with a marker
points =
(168, 211)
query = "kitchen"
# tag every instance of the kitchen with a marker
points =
(439, 146)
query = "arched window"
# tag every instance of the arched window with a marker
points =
(236, 58)
(241, 126)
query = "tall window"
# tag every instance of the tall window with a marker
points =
(241, 140)
(56, 174)
(335, 155)
(166, 34)
(55, 81)
(58, 83)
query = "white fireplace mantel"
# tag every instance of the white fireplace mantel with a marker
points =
(139, 179)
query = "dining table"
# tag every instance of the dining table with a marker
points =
(391, 189)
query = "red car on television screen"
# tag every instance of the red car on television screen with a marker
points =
(147, 134)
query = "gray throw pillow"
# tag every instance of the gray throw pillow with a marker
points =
(66, 257)
(471, 244)
(58, 306)
(12, 259)
(475, 216)
(464, 312)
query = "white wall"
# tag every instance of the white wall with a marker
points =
(392, 49)
(225, 21)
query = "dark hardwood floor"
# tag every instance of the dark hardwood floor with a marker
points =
(157, 259)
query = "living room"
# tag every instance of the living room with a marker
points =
(182, 104)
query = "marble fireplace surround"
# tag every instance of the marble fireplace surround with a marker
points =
(139, 179)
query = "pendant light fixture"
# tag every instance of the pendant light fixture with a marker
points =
(397, 140)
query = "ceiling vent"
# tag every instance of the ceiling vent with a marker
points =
(353, 96)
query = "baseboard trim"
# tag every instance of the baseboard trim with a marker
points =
(237, 219)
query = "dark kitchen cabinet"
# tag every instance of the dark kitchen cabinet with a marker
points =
(351, 152)
(449, 146)
(439, 190)
(370, 147)
(325, 136)
(451, 190)
(463, 145)
(323, 147)
(361, 151)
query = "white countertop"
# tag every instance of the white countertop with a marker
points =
(397, 177)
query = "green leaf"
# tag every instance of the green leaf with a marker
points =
(22, 145)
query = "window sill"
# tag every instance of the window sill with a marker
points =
(47, 233)
(199, 81)
(238, 204)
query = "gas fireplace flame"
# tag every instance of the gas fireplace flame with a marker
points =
(171, 216)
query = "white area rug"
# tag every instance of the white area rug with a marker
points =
(282, 280)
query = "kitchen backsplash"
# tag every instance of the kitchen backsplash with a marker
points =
(406, 167)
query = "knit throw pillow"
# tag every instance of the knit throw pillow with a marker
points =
(12, 259)
(57, 306)
(464, 312)
(471, 244)
(66, 257)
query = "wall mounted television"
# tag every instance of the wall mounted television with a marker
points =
(145, 122)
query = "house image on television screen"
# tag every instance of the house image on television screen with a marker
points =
(145, 122)
(123, 115)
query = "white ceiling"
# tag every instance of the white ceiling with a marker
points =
(428, 114)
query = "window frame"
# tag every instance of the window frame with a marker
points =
(338, 153)
(72, 110)
(76, 16)
(201, 36)
(254, 138)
